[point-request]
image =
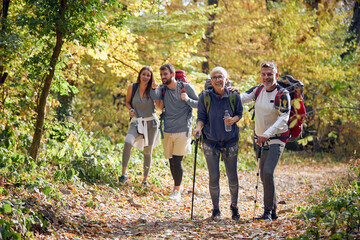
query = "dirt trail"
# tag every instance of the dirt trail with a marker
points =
(134, 212)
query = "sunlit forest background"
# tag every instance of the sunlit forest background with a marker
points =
(65, 66)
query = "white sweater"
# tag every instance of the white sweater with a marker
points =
(269, 120)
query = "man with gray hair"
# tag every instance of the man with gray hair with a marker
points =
(179, 98)
(270, 124)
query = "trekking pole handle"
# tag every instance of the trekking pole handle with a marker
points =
(197, 136)
(259, 153)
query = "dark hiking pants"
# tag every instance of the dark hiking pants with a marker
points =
(229, 156)
(269, 159)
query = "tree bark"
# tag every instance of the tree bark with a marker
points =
(47, 85)
(3, 16)
(354, 30)
(5, 9)
(209, 38)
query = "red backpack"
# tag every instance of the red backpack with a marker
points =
(298, 111)
(181, 76)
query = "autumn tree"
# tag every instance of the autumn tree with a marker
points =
(304, 42)
(208, 39)
(146, 34)
(3, 16)
(54, 23)
(352, 41)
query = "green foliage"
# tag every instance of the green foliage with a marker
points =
(103, 52)
(338, 215)
(172, 32)
(50, 15)
(6, 231)
(71, 155)
(17, 220)
(79, 155)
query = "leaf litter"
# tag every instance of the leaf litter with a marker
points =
(132, 211)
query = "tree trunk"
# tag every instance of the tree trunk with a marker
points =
(46, 88)
(209, 38)
(4, 11)
(4, 14)
(354, 30)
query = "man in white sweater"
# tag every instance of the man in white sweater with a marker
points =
(270, 125)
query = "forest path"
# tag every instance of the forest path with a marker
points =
(136, 212)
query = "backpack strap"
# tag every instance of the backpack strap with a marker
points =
(278, 96)
(232, 99)
(258, 90)
(134, 88)
(161, 124)
(182, 86)
(207, 101)
(257, 93)
(221, 144)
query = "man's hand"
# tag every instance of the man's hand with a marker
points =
(184, 96)
(233, 89)
(261, 139)
(154, 84)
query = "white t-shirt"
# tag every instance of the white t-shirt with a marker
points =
(269, 120)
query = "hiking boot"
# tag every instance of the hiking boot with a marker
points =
(123, 178)
(265, 217)
(215, 214)
(274, 216)
(235, 212)
(175, 195)
(144, 183)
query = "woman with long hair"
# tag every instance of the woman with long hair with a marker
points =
(143, 131)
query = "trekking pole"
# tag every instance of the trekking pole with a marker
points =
(259, 152)
(193, 190)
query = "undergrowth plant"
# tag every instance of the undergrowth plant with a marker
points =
(337, 216)
(18, 221)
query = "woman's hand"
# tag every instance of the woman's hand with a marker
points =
(231, 120)
(159, 104)
(196, 132)
(132, 112)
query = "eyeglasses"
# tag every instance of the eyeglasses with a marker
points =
(218, 78)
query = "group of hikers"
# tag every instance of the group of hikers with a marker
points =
(219, 109)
